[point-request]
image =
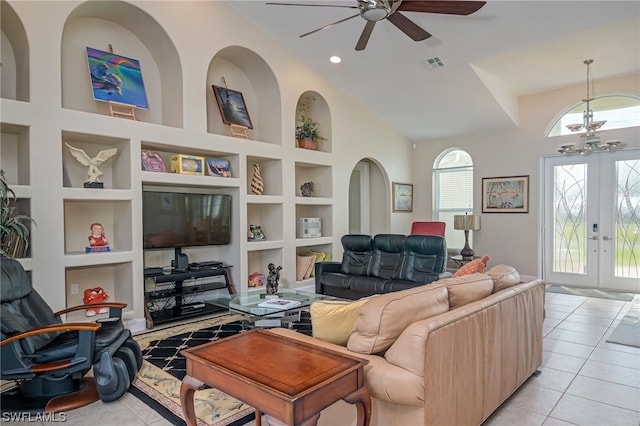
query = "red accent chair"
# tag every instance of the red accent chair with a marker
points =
(428, 228)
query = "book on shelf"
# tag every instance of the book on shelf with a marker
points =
(279, 304)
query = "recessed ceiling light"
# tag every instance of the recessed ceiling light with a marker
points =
(335, 59)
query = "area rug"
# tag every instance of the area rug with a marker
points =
(628, 331)
(159, 380)
(590, 292)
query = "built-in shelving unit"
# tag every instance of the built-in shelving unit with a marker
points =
(183, 118)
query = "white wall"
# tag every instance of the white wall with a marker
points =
(514, 238)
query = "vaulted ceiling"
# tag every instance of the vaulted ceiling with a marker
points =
(505, 50)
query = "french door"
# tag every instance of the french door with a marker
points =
(591, 228)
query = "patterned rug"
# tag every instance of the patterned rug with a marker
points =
(159, 380)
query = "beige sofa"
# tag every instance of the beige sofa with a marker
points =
(447, 353)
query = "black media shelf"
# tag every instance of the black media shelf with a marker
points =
(186, 290)
(168, 315)
(177, 291)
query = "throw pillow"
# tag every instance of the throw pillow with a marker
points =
(467, 288)
(333, 320)
(384, 317)
(304, 265)
(503, 276)
(476, 265)
(320, 257)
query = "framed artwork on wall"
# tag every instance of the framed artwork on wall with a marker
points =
(402, 197)
(116, 78)
(509, 194)
(232, 107)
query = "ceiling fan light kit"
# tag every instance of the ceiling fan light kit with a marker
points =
(590, 140)
(373, 11)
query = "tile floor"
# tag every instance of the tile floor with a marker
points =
(584, 381)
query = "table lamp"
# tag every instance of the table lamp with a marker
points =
(466, 222)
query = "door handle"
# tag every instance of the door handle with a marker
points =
(595, 238)
(605, 238)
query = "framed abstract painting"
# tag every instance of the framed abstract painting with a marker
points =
(402, 197)
(116, 78)
(508, 194)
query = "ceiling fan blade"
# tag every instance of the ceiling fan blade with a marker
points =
(445, 7)
(408, 27)
(311, 5)
(364, 37)
(328, 25)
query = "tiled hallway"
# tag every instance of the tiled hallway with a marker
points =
(584, 380)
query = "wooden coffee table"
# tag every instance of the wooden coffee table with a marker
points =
(289, 380)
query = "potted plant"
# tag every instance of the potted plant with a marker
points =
(307, 130)
(14, 228)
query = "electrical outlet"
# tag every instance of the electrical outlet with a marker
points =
(75, 289)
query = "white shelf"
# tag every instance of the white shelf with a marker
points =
(308, 242)
(183, 180)
(76, 260)
(264, 245)
(97, 194)
(314, 201)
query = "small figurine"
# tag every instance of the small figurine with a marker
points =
(93, 296)
(307, 189)
(97, 237)
(93, 174)
(273, 278)
(255, 233)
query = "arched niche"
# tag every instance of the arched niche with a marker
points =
(369, 189)
(14, 52)
(318, 109)
(242, 70)
(134, 34)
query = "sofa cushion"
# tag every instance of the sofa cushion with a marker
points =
(425, 257)
(320, 257)
(304, 266)
(333, 320)
(388, 254)
(476, 265)
(357, 254)
(503, 276)
(383, 318)
(467, 288)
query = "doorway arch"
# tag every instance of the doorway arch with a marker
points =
(369, 211)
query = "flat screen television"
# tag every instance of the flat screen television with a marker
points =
(174, 220)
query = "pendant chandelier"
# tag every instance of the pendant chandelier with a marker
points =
(589, 140)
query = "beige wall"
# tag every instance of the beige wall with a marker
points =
(514, 238)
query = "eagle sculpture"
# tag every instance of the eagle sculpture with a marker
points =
(93, 174)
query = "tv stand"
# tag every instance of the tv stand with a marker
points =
(175, 292)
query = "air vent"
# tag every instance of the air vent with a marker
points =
(433, 63)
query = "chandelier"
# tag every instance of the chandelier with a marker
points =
(589, 140)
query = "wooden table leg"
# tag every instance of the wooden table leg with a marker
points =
(258, 418)
(187, 390)
(362, 401)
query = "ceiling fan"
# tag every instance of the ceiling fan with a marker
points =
(373, 11)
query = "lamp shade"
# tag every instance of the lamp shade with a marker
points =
(466, 222)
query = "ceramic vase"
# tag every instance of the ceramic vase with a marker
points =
(257, 185)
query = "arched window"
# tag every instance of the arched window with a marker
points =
(620, 111)
(452, 191)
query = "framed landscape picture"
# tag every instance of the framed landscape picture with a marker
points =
(116, 78)
(505, 194)
(402, 197)
(232, 107)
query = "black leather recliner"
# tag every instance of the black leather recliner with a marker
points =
(48, 359)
